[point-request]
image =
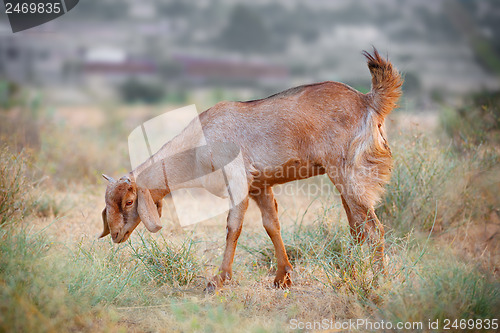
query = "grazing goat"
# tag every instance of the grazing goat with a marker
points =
(305, 131)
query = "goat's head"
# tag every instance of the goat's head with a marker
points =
(126, 206)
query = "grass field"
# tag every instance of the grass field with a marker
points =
(441, 211)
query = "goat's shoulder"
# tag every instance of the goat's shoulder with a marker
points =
(222, 113)
(223, 107)
(217, 109)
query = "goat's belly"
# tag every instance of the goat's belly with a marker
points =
(287, 172)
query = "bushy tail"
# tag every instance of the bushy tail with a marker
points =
(386, 83)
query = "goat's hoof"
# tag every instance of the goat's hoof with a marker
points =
(283, 282)
(210, 288)
(216, 282)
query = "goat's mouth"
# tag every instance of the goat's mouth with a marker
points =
(122, 239)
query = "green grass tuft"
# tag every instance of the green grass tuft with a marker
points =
(166, 263)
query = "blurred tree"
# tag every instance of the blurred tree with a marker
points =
(245, 31)
(176, 8)
(110, 9)
(354, 13)
(477, 122)
(300, 22)
(9, 94)
(472, 25)
(134, 90)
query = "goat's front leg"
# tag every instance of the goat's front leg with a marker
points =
(269, 209)
(234, 225)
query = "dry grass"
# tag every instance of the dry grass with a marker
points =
(55, 275)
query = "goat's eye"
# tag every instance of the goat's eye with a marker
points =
(129, 203)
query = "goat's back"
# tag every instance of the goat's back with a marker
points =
(306, 124)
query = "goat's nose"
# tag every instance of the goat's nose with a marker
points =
(115, 234)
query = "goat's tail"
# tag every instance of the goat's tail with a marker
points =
(386, 83)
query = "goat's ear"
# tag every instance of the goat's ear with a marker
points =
(148, 212)
(105, 231)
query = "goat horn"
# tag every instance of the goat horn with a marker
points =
(108, 178)
(126, 179)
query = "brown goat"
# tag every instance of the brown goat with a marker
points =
(305, 131)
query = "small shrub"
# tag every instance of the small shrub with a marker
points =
(18, 269)
(166, 263)
(478, 121)
(353, 268)
(103, 274)
(444, 288)
(303, 244)
(9, 94)
(134, 90)
(419, 178)
(46, 206)
(430, 184)
(20, 121)
(14, 187)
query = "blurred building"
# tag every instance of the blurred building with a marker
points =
(115, 65)
(184, 46)
(32, 59)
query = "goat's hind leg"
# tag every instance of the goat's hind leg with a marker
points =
(234, 225)
(376, 239)
(269, 209)
(363, 223)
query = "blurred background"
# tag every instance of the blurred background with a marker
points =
(203, 51)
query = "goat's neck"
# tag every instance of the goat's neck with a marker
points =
(171, 165)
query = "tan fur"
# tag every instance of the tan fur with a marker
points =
(386, 84)
(309, 130)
